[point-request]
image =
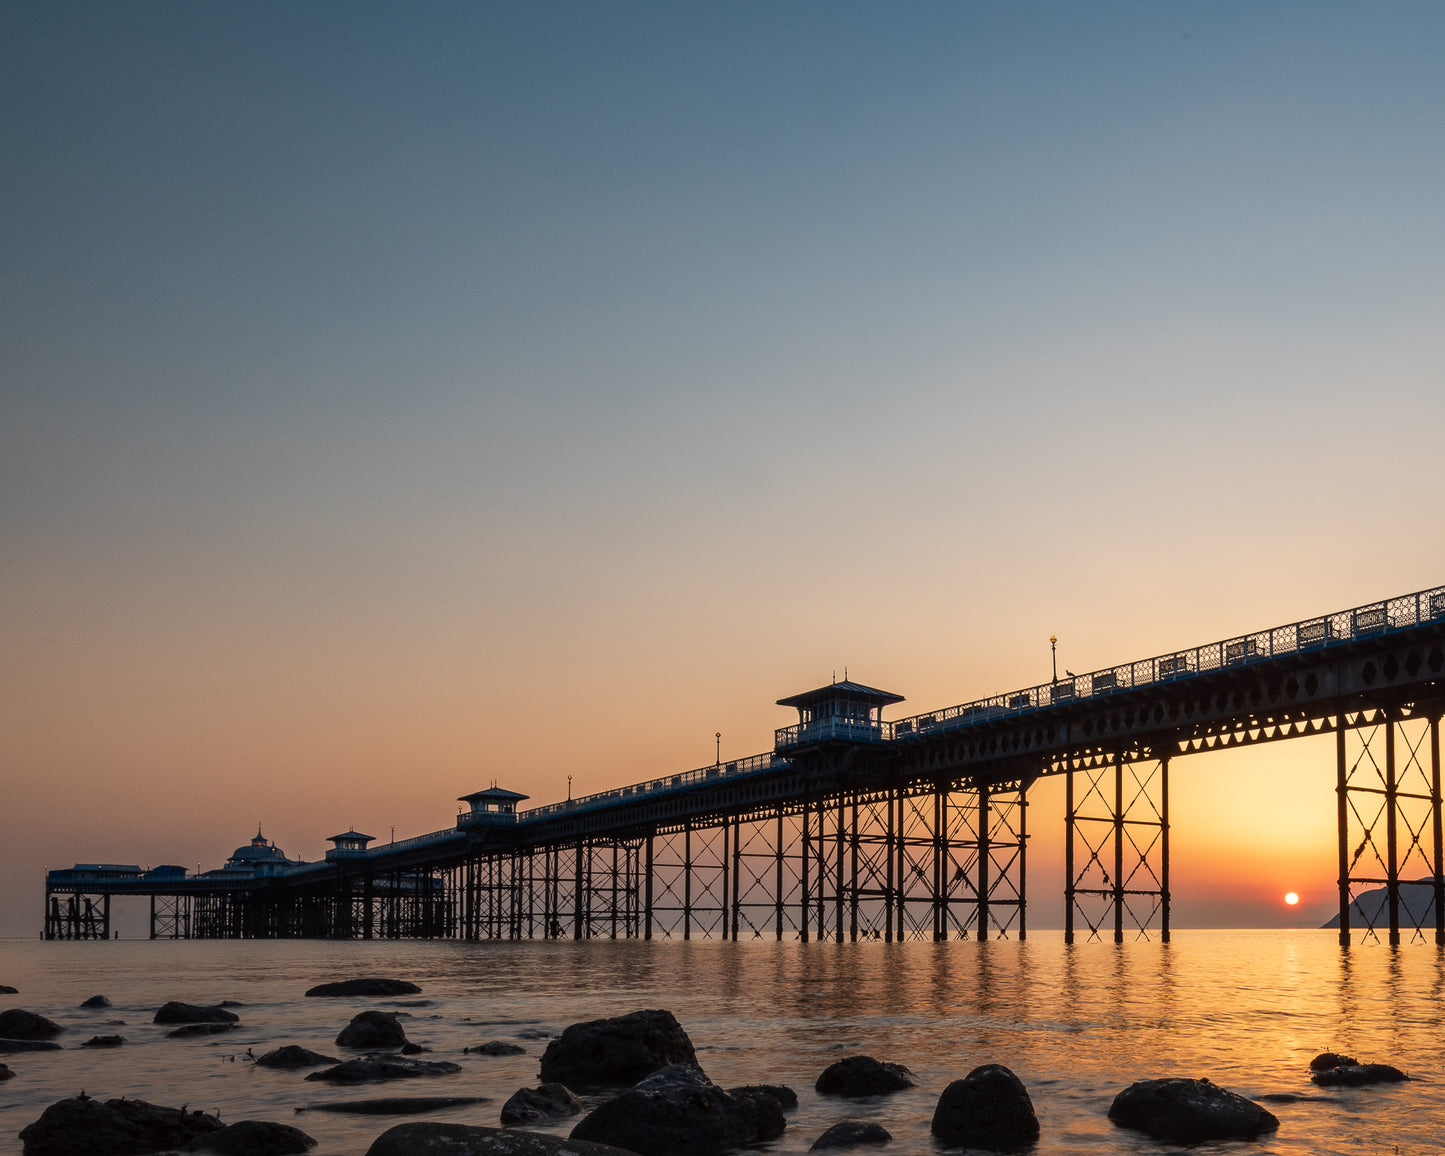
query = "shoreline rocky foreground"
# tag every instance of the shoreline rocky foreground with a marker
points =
(640, 1073)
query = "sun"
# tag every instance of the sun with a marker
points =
(1291, 898)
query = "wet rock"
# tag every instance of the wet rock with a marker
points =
(428, 1139)
(1326, 1060)
(372, 1029)
(1295, 1098)
(398, 1105)
(6, 1073)
(176, 1012)
(28, 1046)
(369, 1069)
(616, 1052)
(370, 986)
(544, 1102)
(82, 1126)
(4, 990)
(19, 1024)
(1184, 1111)
(413, 1003)
(291, 1057)
(784, 1095)
(674, 1076)
(863, 1076)
(187, 1030)
(1356, 1075)
(763, 1112)
(536, 1034)
(989, 1108)
(851, 1134)
(679, 1112)
(96, 1001)
(496, 1048)
(103, 1042)
(252, 1138)
(411, 1049)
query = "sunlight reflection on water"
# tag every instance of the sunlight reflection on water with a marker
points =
(1247, 1009)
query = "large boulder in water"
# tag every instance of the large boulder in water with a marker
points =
(82, 1126)
(1184, 1111)
(253, 1138)
(545, 1102)
(368, 1069)
(616, 1052)
(176, 1012)
(372, 1029)
(674, 1110)
(857, 1076)
(989, 1108)
(467, 1140)
(1356, 1075)
(365, 987)
(292, 1056)
(19, 1024)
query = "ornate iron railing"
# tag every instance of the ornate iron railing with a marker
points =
(732, 769)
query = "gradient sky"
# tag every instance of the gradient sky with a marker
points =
(394, 398)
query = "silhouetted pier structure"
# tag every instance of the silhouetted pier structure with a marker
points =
(853, 827)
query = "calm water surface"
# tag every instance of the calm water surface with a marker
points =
(1246, 1009)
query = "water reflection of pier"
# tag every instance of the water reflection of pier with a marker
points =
(856, 828)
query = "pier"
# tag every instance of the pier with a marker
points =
(854, 827)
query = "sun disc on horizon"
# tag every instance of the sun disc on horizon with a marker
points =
(1291, 898)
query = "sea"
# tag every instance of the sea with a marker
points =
(1077, 1023)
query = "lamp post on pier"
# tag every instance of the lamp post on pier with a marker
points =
(1054, 654)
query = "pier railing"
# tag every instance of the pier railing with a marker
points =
(731, 769)
(1369, 621)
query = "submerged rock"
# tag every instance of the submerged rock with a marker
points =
(176, 1012)
(186, 1030)
(1357, 1075)
(371, 986)
(398, 1105)
(6, 1073)
(6, 990)
(859, 1076)
(1326, 1060)
(291, 1056)
(851, 1134)
(1184, 1111)
(545, 1102)
(496, 1048)
(369, 1069)
(96, 1001)
(28, 1046)
(616, 1052)
(372, 1029)
(989, 1108)
(252, 1138)
(103, 1042)
(429, 1139)
(19, 1024)
(82, 1126)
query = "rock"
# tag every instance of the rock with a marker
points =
(616, 1052)
(186, 1030)
(863, 1076)
(372, 1029)
(763, 1112)
(428, 1139)
(989, 1108)
(411, 1049)
(4, 990)
(674, 1076)
(1295, 1098)
(1185, 1111)
(413, 1003)
(1355, 1075)
(368, 1069)
(19, 1024)
(82, 1126)
(398, 1105)
(6, 1073)
(496, 1048)
(252, 1138)
(103, 1042)
(545, 1102)
(230, 1003)
(1326, 1060)
(851, 1134)
(672, 1118)
(536, 1034)
(96, 1001)
(28, 1046)
(291, 1056)
(176, 1012)
(365, 987)
(783, 1094)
